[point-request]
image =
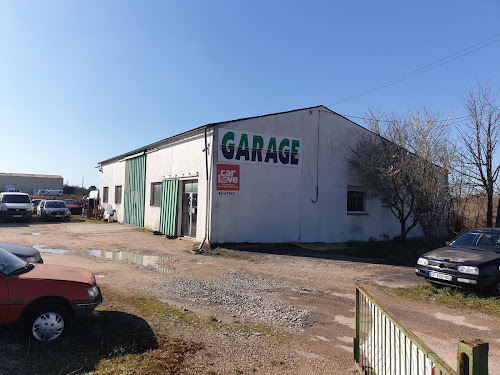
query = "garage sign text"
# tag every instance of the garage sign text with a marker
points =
(253, 148)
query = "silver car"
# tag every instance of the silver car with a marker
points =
(53, 210)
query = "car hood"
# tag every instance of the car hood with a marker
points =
(21, 206)
(460, 255)
(56, 209)
(61, 273)
(19, 249)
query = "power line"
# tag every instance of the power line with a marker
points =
(424, 69)
(455, 120)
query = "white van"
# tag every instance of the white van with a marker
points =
(15, 206)
(54, 192)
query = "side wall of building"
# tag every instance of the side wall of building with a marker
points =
(113, 175)
(30, 183)
(183, 160)
(298, 204)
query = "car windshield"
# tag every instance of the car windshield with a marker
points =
(478, 240)
(15, 198)
(56, 204)
(10, 263)
(71, 202)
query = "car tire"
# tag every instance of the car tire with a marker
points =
(47, 322)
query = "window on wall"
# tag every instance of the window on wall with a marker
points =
(156, 194)
(356, 201)
(118, 194)
(105, 194)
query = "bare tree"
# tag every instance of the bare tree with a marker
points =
(480, 144)
(406, 166)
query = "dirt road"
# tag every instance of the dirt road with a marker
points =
(308, 296)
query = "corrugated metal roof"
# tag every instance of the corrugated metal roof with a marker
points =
(170, 139)
(30, 175)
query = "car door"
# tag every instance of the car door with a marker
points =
(4, 299)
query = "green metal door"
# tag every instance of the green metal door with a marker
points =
(135, 190)
(168, 210)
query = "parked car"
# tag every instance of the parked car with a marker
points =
(471, 261)
(26, 253)
(15, 206)
(34, 204)
(53, 209)
(44, 298)
(74, 206)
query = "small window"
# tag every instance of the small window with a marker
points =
(118, 194)
(356, 201)
(105, 194)
(156, 194)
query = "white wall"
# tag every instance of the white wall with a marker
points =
(113, 175)
(275, 203)
(184, 160)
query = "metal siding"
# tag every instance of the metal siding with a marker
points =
(169, 203)
(135, 185)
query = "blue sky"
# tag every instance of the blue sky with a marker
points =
(82, 81)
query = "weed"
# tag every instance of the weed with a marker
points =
(453, 298)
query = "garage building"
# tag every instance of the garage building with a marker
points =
(29, 183)
(282, 177)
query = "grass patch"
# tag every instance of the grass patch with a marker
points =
(150, 306)
(454, 298)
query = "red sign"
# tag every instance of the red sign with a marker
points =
(228, 177)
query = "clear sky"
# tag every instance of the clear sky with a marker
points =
(83, 81)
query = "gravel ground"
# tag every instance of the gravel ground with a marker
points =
(241, 295)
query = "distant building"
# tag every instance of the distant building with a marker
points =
(281, 177)
(30, 183)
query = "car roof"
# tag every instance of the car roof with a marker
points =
(485, 230)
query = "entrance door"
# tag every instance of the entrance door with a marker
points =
(189, 208)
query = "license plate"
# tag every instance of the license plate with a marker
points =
(57, 215)
(17, 215)
(440, 276)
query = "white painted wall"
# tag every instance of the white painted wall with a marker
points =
(275, 204)
(184, 160)
(113, 175)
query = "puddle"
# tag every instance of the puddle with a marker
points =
(36, 234)
(80, 243)
(42, 249)
(158, 263)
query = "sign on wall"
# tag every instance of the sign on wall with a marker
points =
(228, 177)
(255, 148)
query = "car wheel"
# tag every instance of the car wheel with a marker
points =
(48, 322)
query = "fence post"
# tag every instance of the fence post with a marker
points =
(356, 338)
(472, 357)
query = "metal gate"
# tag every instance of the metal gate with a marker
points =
(135, 190)
(384, 346)
(168, 207)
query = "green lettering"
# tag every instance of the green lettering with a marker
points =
(228, 148)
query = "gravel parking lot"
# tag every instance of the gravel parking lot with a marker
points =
(305, 297)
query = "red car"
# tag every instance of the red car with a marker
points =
(74, 206)
(45, 298)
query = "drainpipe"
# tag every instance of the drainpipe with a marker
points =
(317, 162)
(207, 192)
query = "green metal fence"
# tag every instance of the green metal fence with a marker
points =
(384, 346)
